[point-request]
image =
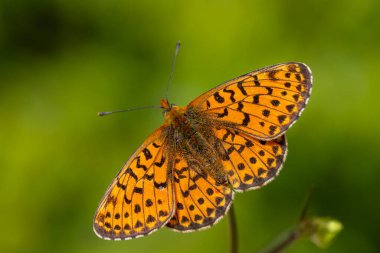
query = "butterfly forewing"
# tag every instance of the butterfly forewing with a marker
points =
(263, 103)
(140, 199)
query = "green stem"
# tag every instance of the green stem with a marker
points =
(284, 243)
(279, 245)
(233, 231)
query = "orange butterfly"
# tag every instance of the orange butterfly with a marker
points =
(230, 138)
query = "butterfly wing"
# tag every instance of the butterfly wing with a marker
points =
(250, 163)
(140, 198)
(263, 103)
(200, 201)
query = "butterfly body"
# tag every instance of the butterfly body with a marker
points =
(190, 134)
(231, 137)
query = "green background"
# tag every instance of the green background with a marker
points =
(63, 61)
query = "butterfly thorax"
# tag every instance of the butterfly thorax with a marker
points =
(171, 112)
(195, 141)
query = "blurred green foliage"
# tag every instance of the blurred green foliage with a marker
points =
(61, 61)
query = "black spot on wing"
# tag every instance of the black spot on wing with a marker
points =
(150, 219)
(246, 119)
(232, 94)
(161, 162)
(256, 80)
(131, 173)
(137, 208)
(160, 185)
(266, 113)
(241, 88)
(208, 104)
(281, 118)
(148, 203)
(275, 102)
(149, 177)
(128, 201)
(138, 190)
(290, 108)
(272, 74)
(256, 99)
(272, 129)
(147, 154)
(119, 185)
(141, 166)
(218, 98)
(224, 114)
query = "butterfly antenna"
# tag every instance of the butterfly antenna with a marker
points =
(129, 109)
(178, 45)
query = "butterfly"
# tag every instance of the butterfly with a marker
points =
(229, 139)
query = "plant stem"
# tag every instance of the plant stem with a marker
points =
(289, 239)
(233, 231)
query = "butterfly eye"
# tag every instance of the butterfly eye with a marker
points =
(166, 110)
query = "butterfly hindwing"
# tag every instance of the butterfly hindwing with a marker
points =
(263, 103)
(140, 198)
(200, 201)
(251, 163)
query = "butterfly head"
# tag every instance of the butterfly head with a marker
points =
(170, 111)
(165, 106)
